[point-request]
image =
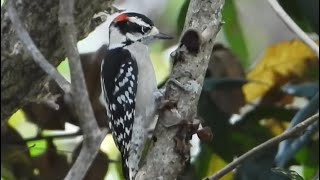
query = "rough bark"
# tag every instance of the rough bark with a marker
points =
(92, 136)
(163, 161)
(21, 79)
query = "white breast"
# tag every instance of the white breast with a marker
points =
(144, 119)
(147, 83)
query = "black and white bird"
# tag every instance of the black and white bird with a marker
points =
(129, 85)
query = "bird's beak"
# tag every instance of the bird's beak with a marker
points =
(161, 35)
(156, 34)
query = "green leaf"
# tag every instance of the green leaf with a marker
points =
(289, 173)
(308, 157)
(304, 13)
(5, 172)
(233, 32)
(182, 15)
(37, 147)
(64, 70)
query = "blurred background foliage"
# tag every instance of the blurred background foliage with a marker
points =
(260, 81)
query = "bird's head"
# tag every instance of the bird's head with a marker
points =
(127, 28)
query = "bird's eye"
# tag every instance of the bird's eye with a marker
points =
(145, 29)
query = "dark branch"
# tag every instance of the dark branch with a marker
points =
(34, 51)
(58, 136)
(92, 134)
(294, 132)
(23, 142)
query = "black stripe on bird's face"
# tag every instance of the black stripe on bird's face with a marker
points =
(130, 27)
(135, 23)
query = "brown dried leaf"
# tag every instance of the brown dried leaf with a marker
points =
(224, 64)
(205, 134)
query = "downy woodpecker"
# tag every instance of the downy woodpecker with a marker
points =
(128, 85)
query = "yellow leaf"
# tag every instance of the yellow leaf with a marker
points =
(109, 147)
(279, 64)
(19, 122)
(217, 163)
(275, 126)
(161, 66)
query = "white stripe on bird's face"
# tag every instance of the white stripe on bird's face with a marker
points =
(146, 38)
(139, 21)
(117, 39)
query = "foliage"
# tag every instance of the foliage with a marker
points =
(243, 107)
(233, 32)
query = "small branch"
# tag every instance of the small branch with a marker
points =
(297, 130)
(293, 146)
(286, 147)
(22, 142)
(37, 56)
(92, 134)
(58, 136)
(293, 26)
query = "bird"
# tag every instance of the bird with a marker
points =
(129, 85)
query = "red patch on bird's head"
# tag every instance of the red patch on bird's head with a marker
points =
(121, 17)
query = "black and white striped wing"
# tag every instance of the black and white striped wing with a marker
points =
(119, 75)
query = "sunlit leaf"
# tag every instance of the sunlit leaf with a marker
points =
(108, 146)
(276, 127)
(37, 147)
(207, 163)
(216, 163)
(182, 15)
(19, 122)
(279, 64)
(160, 63)
(63, 68)
(175, 14)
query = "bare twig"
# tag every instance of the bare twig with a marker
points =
(293, 26)
(287, 148)
(57, 136)
(92, 134)
(302, 140)
(297, 130)
(34, 51)
(39, 137)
